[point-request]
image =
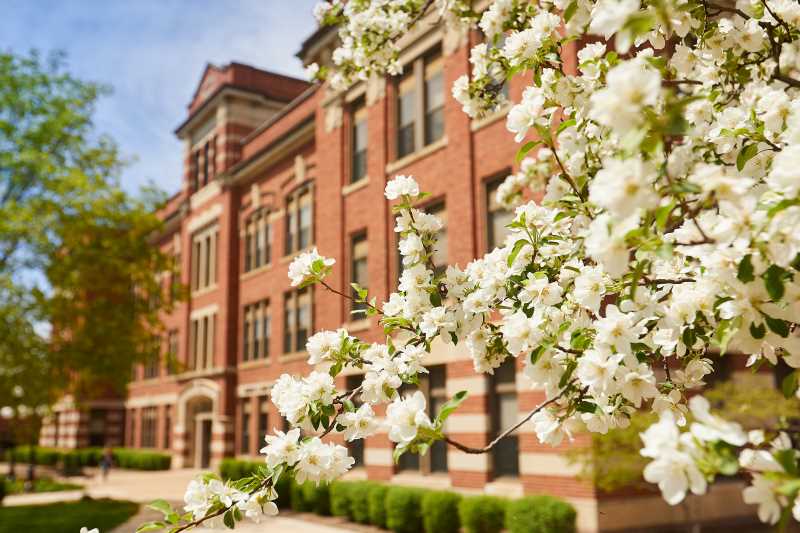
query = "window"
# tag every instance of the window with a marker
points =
(172, 351)
(499, 42)
(167, 427)
(263, 417)
(440, 248)
(204, 258)
(297, 320)
(420, 104)
(406, 113)
(256, 331)
(434, 386)
(498, 217)
(359, 140)
(245, 421)
(149, 419)
(358, 272)
(97, 427)
(203, 332)
(434, 99)
(131, 422)
(257, 241)
(205, 163)
(355, 448)
(175, 278)
(195, 170)
(151, 369)
(505, 455)
(298, 220)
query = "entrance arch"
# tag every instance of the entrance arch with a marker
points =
(197, 414)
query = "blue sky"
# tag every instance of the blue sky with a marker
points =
(152, 53)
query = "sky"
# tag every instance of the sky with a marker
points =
(152, 53)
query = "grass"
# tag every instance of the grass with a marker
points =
(42, 484)
(67, 517)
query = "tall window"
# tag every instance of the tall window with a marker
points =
(505, 455)
(195, 170)
(406, 113)
(256, 331)
(298, 220)
(434, 99)
(245, 421)
(204, 258)
(149, 420)
(440, 248)
(297, 320)
(420, 104)
(358, 272)
(434, 387)
(172, 351)
(175, 278)
(257, 241)
(167, 427)
(498, 217)
(151, 368)
(263, 417)
(359, 140)
(356, 447)
(203, 334)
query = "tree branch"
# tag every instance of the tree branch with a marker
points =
(510, 430)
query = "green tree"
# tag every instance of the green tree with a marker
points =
(76, 250)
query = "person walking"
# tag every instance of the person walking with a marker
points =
(105, 462)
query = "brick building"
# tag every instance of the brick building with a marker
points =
(273, 166)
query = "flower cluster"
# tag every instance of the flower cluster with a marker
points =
(656, 227)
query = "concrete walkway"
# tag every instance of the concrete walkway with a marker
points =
(144, 487)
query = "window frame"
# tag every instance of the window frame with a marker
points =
(205, 258)
(490, 186)
(358, 118)
(257, 240)
(256, 331)
(291, 305)
(359, 251)
(497, 390)
(416, 75)
(424, 464)
(293, 224)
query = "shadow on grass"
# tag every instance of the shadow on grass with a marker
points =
(67, 517)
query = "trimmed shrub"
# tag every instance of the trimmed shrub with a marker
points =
(234, 469)
(482, 514)
(404, 509)
(71, 463)
(376, 504)
(359, 501)
(284, 488)
(318, 498)
(340, 492)
(440, 512)
(540, 514)
(141, 460)
(297, 498)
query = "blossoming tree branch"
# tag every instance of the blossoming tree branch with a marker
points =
(656, 229)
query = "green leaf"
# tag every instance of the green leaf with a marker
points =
(773, 281)
(587, 407)
(524, 149)
(228, 520)
(781, 327)
(161, 506)
(788, 460)
(566, 124)
(780, 206)
(725, 331)
(515, 251)
(662, 215)
(570, 11)
(572, 364)
(746, 154)
(450, 406)
(745, 271)
(536, 354)
(789, 385)
(759, 331)
(151, 526)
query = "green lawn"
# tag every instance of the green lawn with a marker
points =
(66, 517)
(42, 484)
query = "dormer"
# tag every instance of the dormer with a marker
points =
(229, 103)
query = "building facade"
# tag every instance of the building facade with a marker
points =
(274, 166)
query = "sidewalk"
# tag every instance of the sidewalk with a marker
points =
(144, 487)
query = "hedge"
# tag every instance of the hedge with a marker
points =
(440, 512)
(482, 514)
(359, 501)
(404, 509)
(71, 461)
(540, 514)
(341, 499)
(377, 505)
